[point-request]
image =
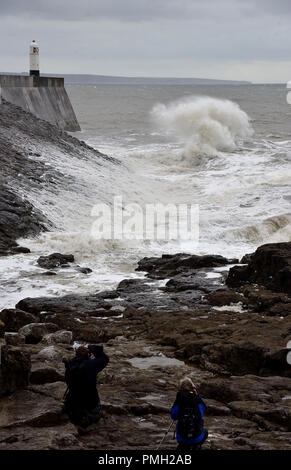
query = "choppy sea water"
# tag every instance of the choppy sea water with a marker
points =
(225, 148)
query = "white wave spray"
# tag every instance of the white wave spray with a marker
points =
(205, 125)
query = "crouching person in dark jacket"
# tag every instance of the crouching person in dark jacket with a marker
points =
(82, 401)
(188, 409)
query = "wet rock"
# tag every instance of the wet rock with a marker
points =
(253, 410)
(263, 299)
(14, 319)
(170, 265)
(50, 353)
(14, 370)
(280, 309)
(108, 294)
(246, 388)
(17, 217)
(30, 409)
(34, 332)
(14, 339)
(54, 390)
(55, 260)
(270, 266)
(276, 362)
(240, 358)
(2, 328)
(84, 270)
(83, 304)
(215, 408)
(222, 297)
(246, 258)
(20, 249)
(237, 276)
(158, 326)
(42, 374)
(60, 436)
(193, 281)
(134, 285)
(61, 336)
(94, 334)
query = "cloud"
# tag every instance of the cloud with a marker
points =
(122, 10)
(141, 10)
(149, 37)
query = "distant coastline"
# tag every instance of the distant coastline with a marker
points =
(87, 79)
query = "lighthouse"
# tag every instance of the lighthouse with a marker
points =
(34, 59)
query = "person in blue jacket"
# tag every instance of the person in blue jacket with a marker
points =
(188, 409)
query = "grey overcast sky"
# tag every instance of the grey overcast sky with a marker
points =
(227, 39)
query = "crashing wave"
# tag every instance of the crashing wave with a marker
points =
(205, 125)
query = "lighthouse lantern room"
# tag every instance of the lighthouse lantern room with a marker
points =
(34, 59)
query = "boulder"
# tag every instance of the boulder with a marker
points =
(84, 270)
(223, 297)
(246, 258)
(14, 319)
(34, 332)
(270, 266)
(14, 370)
(243, 357)
(50, 353)
(20, 249)
(55, 390)
(14, 339)
(55, 260)
(62, 337)
(171, 265)
(134, 285)
(264, 300)
(42, 374)
(83, 304)
(196, 281)
(238, 276)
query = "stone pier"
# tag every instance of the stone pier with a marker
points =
(45, 97)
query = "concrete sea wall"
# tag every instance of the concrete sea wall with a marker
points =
(45, 97)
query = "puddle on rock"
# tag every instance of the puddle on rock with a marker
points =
(162, 361)
(152, 397)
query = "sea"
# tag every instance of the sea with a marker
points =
(225, 149)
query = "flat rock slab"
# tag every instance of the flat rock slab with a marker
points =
(26, 408)
(61, 436)
(84, 304)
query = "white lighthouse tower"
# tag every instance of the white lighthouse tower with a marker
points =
(34, 59)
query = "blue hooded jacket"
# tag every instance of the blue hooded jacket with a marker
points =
(188, 399)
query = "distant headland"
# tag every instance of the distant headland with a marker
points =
(87, 79)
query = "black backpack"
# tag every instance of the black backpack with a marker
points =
(190, 424)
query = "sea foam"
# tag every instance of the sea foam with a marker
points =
(205, 125)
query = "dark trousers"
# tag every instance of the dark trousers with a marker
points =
(183, 447)
(79, 414)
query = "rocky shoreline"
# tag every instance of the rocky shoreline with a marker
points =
(23, 138)
(224, 324)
